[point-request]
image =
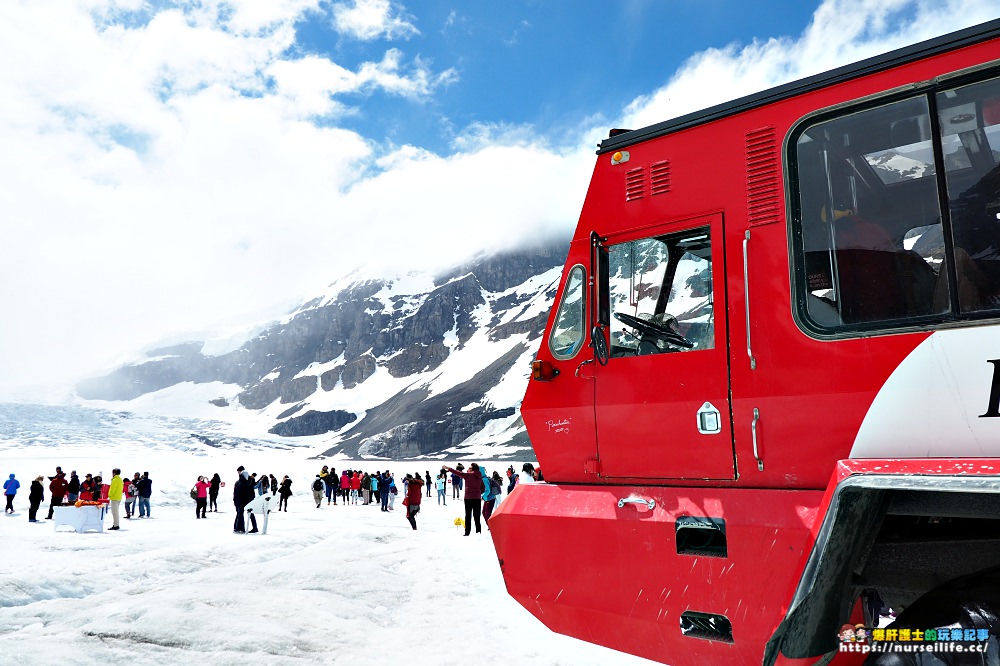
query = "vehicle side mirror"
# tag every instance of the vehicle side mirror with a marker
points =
(599, 344)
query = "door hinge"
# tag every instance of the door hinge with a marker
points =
(592, 466)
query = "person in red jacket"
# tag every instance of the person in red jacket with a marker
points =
(355, 486)
(345, 487)
(414, 487)
(473, 494)
(58, 487)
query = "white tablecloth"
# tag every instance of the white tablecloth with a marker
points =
(81, 518)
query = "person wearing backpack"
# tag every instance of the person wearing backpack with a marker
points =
(317, 488)
(131, 495)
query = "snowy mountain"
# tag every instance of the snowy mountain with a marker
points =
(409, 366)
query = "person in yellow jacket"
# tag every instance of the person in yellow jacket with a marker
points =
(115, 495)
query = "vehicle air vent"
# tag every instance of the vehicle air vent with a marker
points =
(701, 537)
(635, 184)
(708, 626)
(763, 181)
(659, 177)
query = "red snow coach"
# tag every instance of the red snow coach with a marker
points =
(767, 401)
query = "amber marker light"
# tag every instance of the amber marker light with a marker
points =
(542, 371)
(619, 156)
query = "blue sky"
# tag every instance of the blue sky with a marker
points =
(177, 166)
(546, 64)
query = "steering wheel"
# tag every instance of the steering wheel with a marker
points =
(655, 330)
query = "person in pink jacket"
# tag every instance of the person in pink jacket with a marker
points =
(201, 490)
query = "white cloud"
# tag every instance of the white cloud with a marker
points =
(372, 19)
(841, 32)
(419, 82)
(165, 174)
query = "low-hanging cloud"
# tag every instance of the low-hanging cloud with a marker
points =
(150, 188)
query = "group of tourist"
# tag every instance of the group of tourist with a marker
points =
(482, 491)
(66, 491)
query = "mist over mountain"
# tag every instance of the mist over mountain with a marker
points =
(408, 366)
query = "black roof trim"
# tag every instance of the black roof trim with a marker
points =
(966, 37)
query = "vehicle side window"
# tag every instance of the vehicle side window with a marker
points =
(970, 141)
(660, 294)
(866, 182)
(569, 329)
(872, 248)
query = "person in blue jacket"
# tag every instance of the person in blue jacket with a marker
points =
(489, 499)
(10, 487)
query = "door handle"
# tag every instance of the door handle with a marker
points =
(753, 431)
(746, 296)
(577, 373)
(650, 504)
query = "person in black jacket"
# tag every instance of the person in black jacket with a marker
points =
(243, 494)
(213, 493)
(35, 497)
(285, 491)
(74, 487)
(145, 490)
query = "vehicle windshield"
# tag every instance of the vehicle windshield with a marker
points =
(659, 292)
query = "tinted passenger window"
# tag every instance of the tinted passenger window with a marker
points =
(872, 247)
(970, 141)
(870, 238)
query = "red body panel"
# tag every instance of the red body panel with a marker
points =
(612, 575)
(792, 407)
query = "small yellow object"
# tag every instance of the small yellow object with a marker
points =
(459, 522)
(617, 157)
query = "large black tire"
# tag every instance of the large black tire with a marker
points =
(969, 602)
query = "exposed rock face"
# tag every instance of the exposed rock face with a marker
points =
(417, 342)
(313, 423)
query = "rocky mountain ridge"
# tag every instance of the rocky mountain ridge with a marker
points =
(411, 366)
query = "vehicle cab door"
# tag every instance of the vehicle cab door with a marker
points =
(662, 405)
